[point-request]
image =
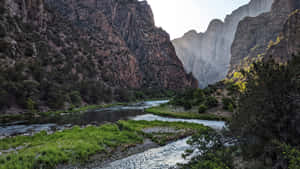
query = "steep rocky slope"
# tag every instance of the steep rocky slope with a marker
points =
(255, 35)
(289, 43)
(207, 54)
(50, 48)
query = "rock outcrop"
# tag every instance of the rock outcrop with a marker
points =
(91, 46)
(207, 55)
(289, 44)
(255, 35)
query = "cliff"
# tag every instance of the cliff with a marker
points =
(207, 55)
(255, 35)
(288, 44)
(49, 48)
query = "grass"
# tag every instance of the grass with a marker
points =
(166, 111)
(78, 144)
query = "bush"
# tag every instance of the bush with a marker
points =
(30, 105)
(228, 104)
(211, 102)
(202, 108)
(124, 95)
(187, 105)
(55, 99)
(199, 96)
(139, 95)
(75, 98)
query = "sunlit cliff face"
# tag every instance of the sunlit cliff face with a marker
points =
(207, 55)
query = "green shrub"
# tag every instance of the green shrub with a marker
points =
(75, 98)
(139, 95)
(199, 96)
(202, 108)
(211, 102)
(30, 105)
(55, 98)
(187, 105)
(231, 108)
(228, 104)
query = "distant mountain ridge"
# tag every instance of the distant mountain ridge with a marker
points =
(207, 55)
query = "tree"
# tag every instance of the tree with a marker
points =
(269, 108)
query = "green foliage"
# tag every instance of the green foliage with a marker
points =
(187, 105)
(75, 98)
(78, 144)
(55, 98)
(214, 155)
(211, 102)
(228, 104)
(30, 105)
(199, 96)
(202, 108)
(292, 155)
(124, 95)
(196, 97)
(268, 109)
(232, 88)
(166, 111)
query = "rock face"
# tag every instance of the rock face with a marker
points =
(289, 43)
(63, 45)
(207, 55)
(255, 35)
(132, 23)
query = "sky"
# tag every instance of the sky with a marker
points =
(179, 16)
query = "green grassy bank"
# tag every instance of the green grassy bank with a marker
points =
(77, 145)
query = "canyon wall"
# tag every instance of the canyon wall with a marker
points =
(49, 48)
(207, 55)
(256, 35)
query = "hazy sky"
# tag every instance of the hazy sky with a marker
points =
(180, 16)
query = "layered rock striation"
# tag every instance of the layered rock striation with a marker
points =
(207, 55)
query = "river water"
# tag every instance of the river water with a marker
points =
(164, 157)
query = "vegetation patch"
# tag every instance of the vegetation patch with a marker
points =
(78, 144)
(166, 111)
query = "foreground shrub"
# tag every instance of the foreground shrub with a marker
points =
(202, 108)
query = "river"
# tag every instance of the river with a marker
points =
(157, 158)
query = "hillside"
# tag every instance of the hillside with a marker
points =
(56, 51)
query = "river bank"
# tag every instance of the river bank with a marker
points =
(98, 138)
(78, 145)
(167, 110)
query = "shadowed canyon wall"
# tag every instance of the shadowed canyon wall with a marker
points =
(51, 47)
